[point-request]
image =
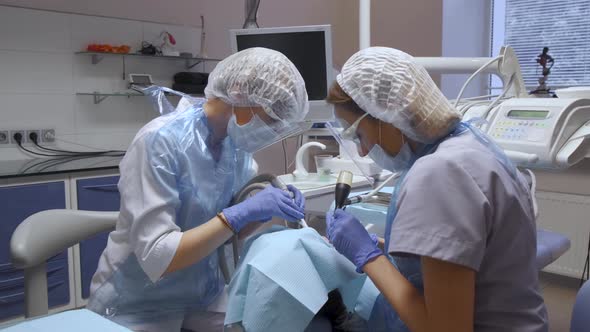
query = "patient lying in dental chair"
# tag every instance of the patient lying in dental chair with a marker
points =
(287, 277)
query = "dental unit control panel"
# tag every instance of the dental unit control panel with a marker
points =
(540, 132)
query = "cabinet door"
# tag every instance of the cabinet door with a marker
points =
(97, 194)
(17, 203)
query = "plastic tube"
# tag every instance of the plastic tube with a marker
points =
(482, 68)
(365, 197)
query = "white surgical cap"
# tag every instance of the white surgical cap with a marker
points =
(260, 77)
(390, 86)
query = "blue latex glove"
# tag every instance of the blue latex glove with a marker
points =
(297, 197)
(268, 203)
(351, 239)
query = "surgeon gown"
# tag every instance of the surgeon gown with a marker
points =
(170, 182)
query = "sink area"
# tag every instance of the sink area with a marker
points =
(311, 181)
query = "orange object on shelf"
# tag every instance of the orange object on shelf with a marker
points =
(107, 48)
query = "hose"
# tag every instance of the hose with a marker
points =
(482, 68)
(256, 183)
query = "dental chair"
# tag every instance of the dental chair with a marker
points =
(44, 235)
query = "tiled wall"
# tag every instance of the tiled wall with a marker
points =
(40, 75)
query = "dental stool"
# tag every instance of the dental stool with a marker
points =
(550, 246)
(580, 318)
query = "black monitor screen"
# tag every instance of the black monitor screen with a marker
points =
(307, 50)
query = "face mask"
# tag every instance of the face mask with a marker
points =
(401, 161)
(252, 136)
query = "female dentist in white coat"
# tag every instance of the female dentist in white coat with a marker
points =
(159, 271)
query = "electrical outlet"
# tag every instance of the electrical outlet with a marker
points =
(4, 138)
(47, 135)
(22, 133)
(36, 131)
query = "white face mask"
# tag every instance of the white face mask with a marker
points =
(252, 136)
(401, 161)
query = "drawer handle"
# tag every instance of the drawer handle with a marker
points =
(9, 268)
(103, 187)
(7, 299)
(6, 267)
(55, 269)
(6, 283)
(19, 281)
(54, 285)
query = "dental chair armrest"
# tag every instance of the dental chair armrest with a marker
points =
(47, 233)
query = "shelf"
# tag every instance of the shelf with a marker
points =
(97, 57)
(99, 96)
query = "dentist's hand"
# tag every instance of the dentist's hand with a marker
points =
(268, 203)
(297, 197)
(351, 239)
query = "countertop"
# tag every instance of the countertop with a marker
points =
(43, 166)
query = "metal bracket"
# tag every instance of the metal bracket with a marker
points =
(96, 58)
(98, 98)
(190, 65)
(123, 59)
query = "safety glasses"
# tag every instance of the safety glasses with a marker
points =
(350, 132)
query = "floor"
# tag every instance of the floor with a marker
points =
(560, 294)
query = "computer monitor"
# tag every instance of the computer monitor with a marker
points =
(309, 48)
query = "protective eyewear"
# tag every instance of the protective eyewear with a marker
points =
(350, 132)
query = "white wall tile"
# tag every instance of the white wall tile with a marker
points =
(40, 74)
(94, 142)
(114, 114)
(29, 111)
(88, 29)
(105, 76)
(27, 29)
(33, 72)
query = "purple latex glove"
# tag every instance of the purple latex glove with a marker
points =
(297, 197)
(351, 239)
(268, 203)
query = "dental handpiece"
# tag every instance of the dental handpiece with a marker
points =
(342, 189)
(369, 195)
(281, 185)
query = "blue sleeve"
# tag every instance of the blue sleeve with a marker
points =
(442, 213)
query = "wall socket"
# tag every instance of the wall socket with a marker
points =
(22, 135)
(48, 135)
(43, 136)
(4, 137)
(31, 131)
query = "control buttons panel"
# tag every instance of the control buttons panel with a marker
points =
(519, 130)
